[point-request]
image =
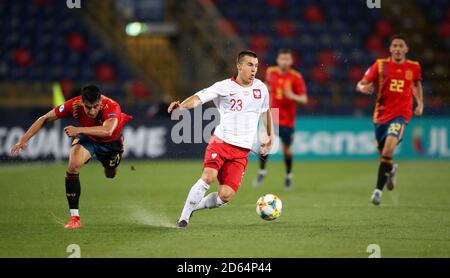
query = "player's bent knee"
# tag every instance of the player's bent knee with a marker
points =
(288, 154)
(388, 152)
(73, 168)
(226, 196)
(209, 177)
(208, 180)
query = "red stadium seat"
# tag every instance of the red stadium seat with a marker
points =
(105, 73)
(328, 58)
(312, 104)
(261, 74)
(67, 88)
(297, 59)
(435, 102)
(320, 75)
(362, 102)
(22, 57)
(76, 42)
(140, 91)
(41, 2)
(444, 29)
(278, 4)
(377, 46)
(314, 14)
(259, 43)
(355, 73)
(384, 28)
(285, 28)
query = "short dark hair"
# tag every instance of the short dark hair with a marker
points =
(400, 36)
(244, 53)
(284, 51)
(90, 93)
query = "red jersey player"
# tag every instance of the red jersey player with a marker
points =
(101, 121)
(241, 102)
(398, 80)
(287, 89)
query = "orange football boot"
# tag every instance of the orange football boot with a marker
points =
(74, 223)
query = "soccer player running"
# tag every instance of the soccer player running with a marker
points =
(287, 89)
(398, 80)
(101, 122)
(241, 101)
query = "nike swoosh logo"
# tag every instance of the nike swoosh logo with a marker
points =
(233, 94)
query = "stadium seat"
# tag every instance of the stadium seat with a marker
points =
(43, 41)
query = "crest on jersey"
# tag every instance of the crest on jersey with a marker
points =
(61, 108)
(257, 93)
(214, 155)
(409, 75)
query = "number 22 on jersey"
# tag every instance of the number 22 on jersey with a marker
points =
(397, 85)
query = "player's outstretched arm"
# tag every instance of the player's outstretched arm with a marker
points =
(418, 95)
(188, 103)
(34, 128)
(105, 130)
(365, 87)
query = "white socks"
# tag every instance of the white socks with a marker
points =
(194, 197)
(74, 212)
(262, 172)
(211, 201)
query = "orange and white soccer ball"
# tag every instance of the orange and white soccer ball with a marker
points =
(269, 207)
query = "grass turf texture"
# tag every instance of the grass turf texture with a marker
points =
(327, 214)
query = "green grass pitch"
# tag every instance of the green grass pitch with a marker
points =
(327, 214)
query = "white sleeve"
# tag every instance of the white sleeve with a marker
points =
(209, 93)
(265, 105)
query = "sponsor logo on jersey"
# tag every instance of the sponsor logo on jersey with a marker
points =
(409, 75)
(257, 93)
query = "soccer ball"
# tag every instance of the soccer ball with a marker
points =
(268, 207)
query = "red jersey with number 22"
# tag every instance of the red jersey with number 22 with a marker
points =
(109, 109)
(395, 84)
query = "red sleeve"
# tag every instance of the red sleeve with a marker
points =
(372, 73)
(111, 111)
(418, 76)
(65, 110)
(299, 86)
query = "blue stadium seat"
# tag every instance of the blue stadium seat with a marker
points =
(42, 29)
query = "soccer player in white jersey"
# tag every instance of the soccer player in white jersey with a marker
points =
(242, 101)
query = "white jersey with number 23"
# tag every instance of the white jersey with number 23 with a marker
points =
(240, 109)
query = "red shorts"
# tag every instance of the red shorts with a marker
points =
(229, 160)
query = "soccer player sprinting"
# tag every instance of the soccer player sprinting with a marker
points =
(397, 80)
(287, 89)
(101, 122)
(241, 101)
